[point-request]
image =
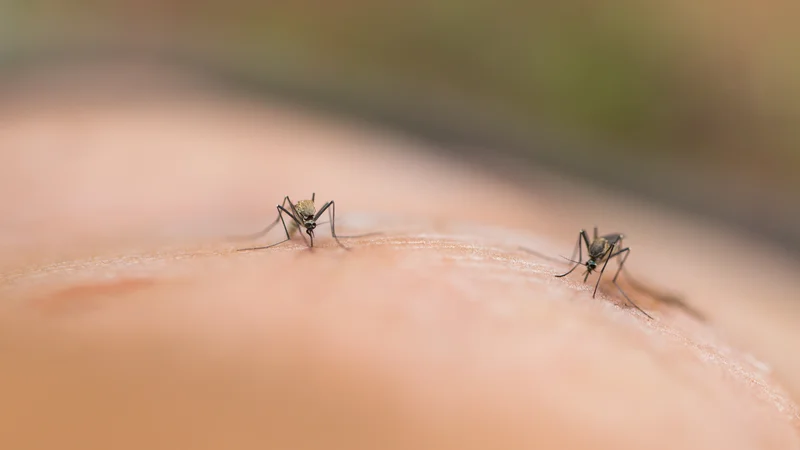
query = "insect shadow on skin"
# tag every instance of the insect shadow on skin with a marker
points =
(600, 250)
(304, 216)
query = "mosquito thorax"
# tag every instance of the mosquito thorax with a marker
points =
(305, 209)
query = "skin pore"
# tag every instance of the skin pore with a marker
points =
(129, 322)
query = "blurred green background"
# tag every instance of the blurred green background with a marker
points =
(696, 105)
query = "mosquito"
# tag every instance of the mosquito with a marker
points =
(601, 249)
(666, 298)
(304, 216)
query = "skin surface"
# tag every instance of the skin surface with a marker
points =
(128, 319)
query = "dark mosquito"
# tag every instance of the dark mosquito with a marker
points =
(304, 216)
(666, 298)
(600, 250)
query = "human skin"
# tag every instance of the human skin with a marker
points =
(130, 321)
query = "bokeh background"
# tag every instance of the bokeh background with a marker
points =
(128, 124)
(695, 104)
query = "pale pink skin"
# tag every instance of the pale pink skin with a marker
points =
(129, 321)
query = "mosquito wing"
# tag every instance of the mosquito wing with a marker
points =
(612, 238)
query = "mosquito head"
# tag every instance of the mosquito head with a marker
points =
(591, 265)
(309, 223)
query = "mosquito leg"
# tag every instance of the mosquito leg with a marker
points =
(617, 244)
(353, 236)
(309, 232)
(296, 217)
(631, 301)
(540, 255)
(614, 280)
(250, 237)
(639, 286)
(332, 216)
(262, 248)
(586, 241)
(281, 210)
(581, 235)
(265, 230)
(599, 277)
(297, 223)
(374, 233)
(666, 298)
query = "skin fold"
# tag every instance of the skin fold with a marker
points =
(129, 320)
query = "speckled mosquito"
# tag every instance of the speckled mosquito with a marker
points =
(304, 216)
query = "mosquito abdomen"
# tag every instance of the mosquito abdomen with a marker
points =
(291, 227)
